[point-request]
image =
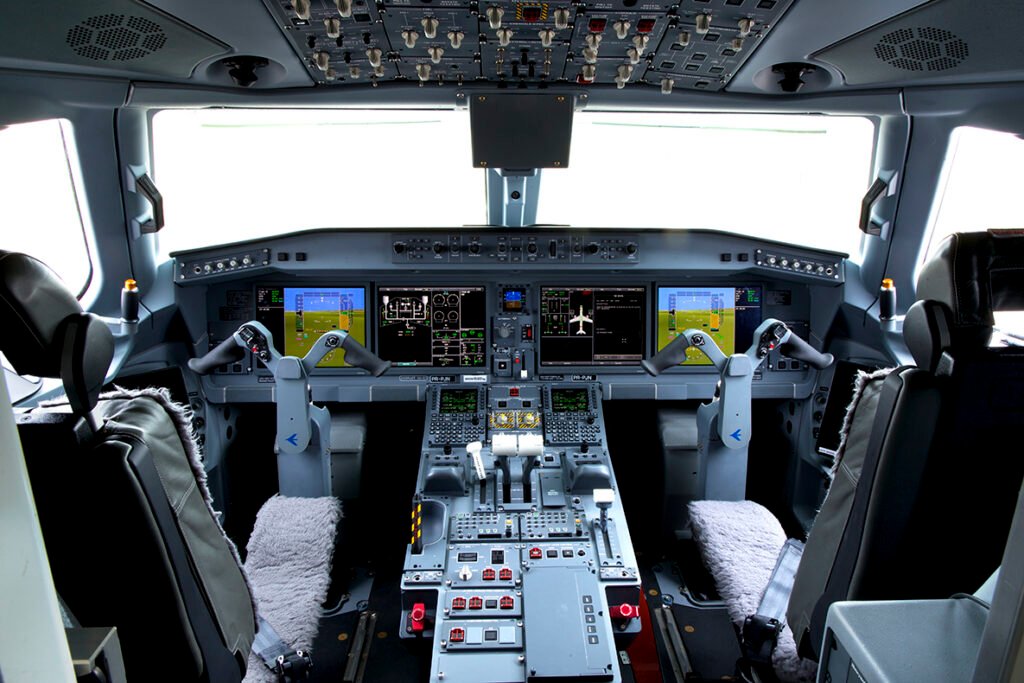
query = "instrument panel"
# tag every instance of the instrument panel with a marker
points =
(453, 322)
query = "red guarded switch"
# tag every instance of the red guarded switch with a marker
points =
(624, 611)
(476, 603)
(645, 26)
(507, 602)
(535, 553)
(597, 24)
(418, 617)
(489, 574)
(458, 603)
(505, 574)
(457, 635)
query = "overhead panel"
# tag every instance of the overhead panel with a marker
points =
(944, 38)
(115, 34)
(665, 43)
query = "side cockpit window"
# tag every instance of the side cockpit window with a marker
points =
(39, 209)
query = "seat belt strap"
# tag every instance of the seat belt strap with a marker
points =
(289, 664)
(761, 629)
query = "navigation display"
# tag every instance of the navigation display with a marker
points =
(592, 325)
(729, 315)
(569, 400)
(298, 316)
(458, 401)
(440, 327)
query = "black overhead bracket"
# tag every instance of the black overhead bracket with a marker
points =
(872, 220)
(141, 184)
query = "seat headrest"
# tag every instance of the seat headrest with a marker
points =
(33, 302)
(974, 274)
(46, 333)
(971, 275)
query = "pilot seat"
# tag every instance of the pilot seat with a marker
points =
(924, 485)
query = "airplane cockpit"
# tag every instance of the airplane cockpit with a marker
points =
(511, 341)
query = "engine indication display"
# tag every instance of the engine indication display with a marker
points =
(569, 400)
(729, 315)
(441, 327)
(458, 401)
(298, 316)
(592, 325)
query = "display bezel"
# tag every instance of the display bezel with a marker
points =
(603, 367)
(655, 310)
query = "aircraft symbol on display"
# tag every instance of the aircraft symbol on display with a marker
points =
(580, 319)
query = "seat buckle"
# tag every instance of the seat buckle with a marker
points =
(760, 634)
(293, 666)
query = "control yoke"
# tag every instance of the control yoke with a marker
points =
(294, 424)
(737, 370)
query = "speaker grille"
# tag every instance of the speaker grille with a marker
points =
(923, 48)
(115, 38)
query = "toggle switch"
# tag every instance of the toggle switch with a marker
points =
(593, 40)
(435, 54)
(588, 72)
(561, 16)
(684, 38)
(621, 29)
(455, 38)
(737, 43)
(624, 611)
(410, 37)
(703, 23)
(333, 27)
(590, 55)
(746, 24)
(322, 60)
(546, 36)
(301, 8)
(374, 54)
(378, 71)
(353, 72)
(344, 7)
(622, 75)
(640, 41)
(429, 25)
(423, 72)
(504, 36)
(634, 55)
(666, 86)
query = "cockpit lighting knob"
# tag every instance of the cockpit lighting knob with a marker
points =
(546, 36)
(344, 7)
(333, 27)
(561, 18)
(410, 38)
(455, 38)
(621, 29)
(666, 86)
(435, 54)
(504, 36)
(322, 60)
(494, 15)
(634, 55)
(301, 8)
(423, 72)
(429, 27)
(746, 24)
(375, 54)
(640, 41)
(703, 23)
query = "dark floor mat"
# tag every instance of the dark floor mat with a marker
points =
(710, 640)
(695, 575)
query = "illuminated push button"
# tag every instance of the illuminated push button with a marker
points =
(458, 604)
(536, 554)
(624, 611)
(417, 617)
(505, 574)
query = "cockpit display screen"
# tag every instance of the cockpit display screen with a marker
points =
(569, 400)
(440, 327)
(729, 315)
(592, 325)
(298, 316)
(458, 401)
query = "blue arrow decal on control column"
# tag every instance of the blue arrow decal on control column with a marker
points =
(737, 435)
(293, 440)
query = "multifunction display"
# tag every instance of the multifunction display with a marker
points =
(592, 325)
(458, 401)
(569, 400)
(729, 315)
(441, 327)
(298, 316)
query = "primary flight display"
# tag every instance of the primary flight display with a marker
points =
(729, 315)
(298, 316)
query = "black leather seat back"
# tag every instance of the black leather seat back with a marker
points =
(131, 540)
(941, 471)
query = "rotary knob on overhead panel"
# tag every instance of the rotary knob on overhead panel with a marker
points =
(640, 41)
(435, 54)
(561, 16)
(494, 15)
(703, 22)
(374, 54)
(621, 29)
(633, 55)
(344, 7)
(429, 25)
(301, 8)
(465, 573)
(322, 60)
(622, 76)
(410, 37)
(333, 27)
(455, 38)
(590, 55)
(423, 72)
(593, 40)
(546, 36)
(505, 330)
(504, 36)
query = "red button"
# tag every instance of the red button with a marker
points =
(507, 602)
(417, 617)
(458, 603)
(476, 603)
(535, 553)
(597, 25)
(488, 574)
(624, 611)
(505, 574)
(645, 26)
(457, 635)
(514, 391)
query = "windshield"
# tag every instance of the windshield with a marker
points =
(229, 175)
